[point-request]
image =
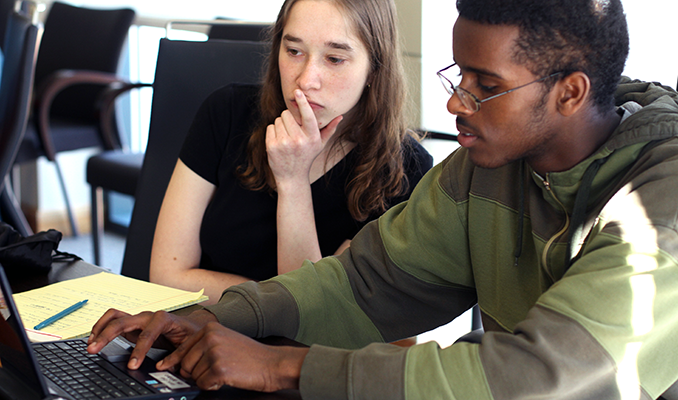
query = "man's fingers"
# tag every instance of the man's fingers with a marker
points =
(205, 377)
(112, 324)
(176, 357)
(150, 333)
(103, 322)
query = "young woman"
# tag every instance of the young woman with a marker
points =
(272, 175)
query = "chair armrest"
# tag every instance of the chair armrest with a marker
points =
(106, 106)
(51, 87)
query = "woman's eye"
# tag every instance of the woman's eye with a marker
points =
(335, 60)
(293, 52)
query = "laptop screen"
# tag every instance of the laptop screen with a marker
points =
(16, 358)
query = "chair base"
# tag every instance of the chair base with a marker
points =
(113, 170)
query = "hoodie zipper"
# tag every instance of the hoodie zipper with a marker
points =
(550, 242)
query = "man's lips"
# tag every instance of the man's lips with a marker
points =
(465, 137)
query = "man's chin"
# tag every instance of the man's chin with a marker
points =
(487, 162)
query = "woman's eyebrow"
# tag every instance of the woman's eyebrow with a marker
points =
(290, 38)
(335, 45)
(339, 46)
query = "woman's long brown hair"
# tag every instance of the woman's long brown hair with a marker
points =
(377, 126)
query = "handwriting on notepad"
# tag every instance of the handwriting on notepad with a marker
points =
(104, 291)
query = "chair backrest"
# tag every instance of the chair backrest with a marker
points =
(186, 73)
(6, 7)
(237, 30)
(82, 39)
(20, 51)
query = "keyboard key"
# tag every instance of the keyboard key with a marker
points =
(83, 375)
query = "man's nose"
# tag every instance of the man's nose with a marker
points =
(456, 107)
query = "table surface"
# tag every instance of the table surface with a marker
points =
(62, 271)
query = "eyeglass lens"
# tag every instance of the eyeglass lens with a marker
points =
(451, 79)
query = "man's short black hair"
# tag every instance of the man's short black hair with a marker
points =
(563, 35)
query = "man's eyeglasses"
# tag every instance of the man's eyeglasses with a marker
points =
(468, 99)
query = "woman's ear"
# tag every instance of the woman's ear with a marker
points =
(573, 93)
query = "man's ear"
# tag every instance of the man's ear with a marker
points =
(572, 93)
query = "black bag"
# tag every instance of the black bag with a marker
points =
(30, 255)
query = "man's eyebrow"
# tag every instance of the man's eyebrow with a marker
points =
(482, 71)
(334, 45)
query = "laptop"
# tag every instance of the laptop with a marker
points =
(64, 370)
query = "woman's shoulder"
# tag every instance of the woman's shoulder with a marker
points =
(234, 94)
(414, 151)
(229, 110)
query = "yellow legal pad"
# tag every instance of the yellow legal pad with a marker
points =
(103, 291)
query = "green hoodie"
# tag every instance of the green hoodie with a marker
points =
(598, 324)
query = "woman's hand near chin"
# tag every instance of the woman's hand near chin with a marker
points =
(292, 147)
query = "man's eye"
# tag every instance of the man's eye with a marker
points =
(487, 89)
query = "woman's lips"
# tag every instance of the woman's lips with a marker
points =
(314, 106)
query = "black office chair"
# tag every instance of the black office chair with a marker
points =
(22, 36)
(6, 8)
(427, 134)
(119, 170)
(237, 30)
(186, 73)
(78, 59)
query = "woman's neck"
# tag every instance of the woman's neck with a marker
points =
(331, 155)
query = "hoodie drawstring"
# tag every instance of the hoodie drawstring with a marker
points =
(521, 213)
(579, 212)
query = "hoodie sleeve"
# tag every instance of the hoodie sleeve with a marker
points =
(371, 293)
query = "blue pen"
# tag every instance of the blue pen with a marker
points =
(60, 315)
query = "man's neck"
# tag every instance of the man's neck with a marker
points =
(581, 139)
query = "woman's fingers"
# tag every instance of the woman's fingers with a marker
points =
(309, 122)
(328, 131)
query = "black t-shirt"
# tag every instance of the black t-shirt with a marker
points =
(238, 233)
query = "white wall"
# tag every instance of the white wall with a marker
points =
(652, 27)
(653, 55)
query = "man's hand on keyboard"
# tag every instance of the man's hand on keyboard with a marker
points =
(159, 329)
(217, 356)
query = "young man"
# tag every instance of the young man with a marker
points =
(558, 216)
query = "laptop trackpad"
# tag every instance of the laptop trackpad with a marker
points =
(119, 349)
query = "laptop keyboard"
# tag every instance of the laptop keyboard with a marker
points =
(83, 375)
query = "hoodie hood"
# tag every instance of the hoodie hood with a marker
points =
(654, 113)
(649, 115)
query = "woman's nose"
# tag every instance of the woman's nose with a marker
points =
(309, 77)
